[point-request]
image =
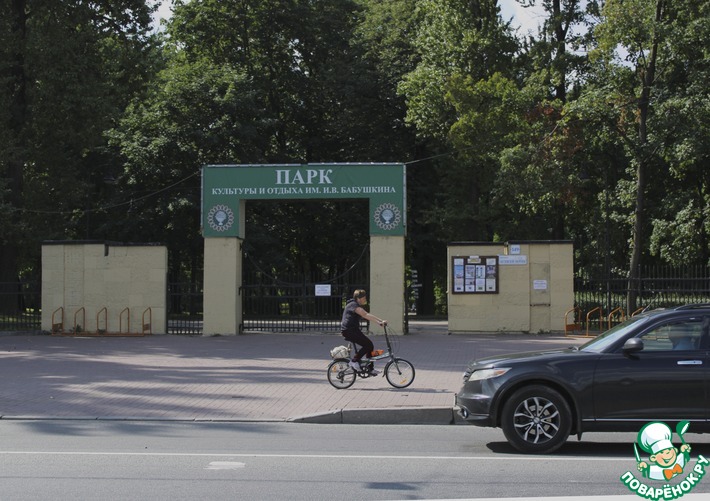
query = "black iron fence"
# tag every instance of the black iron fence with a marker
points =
(20, 309)
(20, 306)
(656, 287)
(268, 305)
(185, 311)
(281, 306)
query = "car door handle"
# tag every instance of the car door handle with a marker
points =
(690, 362)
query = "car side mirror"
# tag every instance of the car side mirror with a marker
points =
(633, 345)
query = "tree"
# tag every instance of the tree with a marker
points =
(66, 70)
(456, 43)
(385, 34)
(680, 230)
(261, 82)
(650, 34)
(459, 43)
(550, 53)
(537, 186)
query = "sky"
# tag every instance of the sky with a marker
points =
(526, 19)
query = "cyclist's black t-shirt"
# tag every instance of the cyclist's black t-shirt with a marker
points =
(351, 320)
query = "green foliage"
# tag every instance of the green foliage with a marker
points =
(459, 44)
(67, 71)
(261, 82)
(595, 129)
(677, 241)
(453, 38)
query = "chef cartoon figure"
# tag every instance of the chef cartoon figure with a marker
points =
(666, 463)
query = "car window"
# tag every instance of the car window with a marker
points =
(602, 342)
(674, 336)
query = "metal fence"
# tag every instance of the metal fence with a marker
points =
(268, 305)
(657, 287)
(20, 309)
(284, 306)
(185, 311)
(20, 306)
(280, 306)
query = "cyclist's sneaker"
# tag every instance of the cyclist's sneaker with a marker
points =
(373, 372)
(355, 365)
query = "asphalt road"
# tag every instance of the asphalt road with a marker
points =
(119, 460)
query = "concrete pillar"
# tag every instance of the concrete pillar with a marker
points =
(386, 294)
(223, 277)
(53, 277)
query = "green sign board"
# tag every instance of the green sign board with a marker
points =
(224, 186)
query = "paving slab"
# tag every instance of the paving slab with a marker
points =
(251, 377)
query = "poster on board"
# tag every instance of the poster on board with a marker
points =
(474, 274)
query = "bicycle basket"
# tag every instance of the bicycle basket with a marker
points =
(340, 352)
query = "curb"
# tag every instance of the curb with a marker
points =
(420, 415)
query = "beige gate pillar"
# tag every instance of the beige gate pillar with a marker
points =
(386, 294)
(222, 305)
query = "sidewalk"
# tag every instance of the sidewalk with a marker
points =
(253, 377)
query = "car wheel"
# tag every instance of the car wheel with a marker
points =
(536, 419)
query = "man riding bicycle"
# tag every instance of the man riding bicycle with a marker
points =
(350, 328)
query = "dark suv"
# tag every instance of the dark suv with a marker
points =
(652, 367)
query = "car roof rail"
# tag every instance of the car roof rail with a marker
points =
(691, 306)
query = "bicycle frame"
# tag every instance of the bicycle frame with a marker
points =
(398, 372)
(389, 353)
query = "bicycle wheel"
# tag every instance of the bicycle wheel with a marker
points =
(340, 374)
(399, 373)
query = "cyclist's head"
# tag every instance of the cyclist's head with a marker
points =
(359, 293)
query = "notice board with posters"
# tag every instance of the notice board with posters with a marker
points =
(474, 274)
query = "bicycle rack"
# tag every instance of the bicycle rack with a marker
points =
(575, 325)
(80, 328)
(619, 312)
(58, 327)
(102, 313)
(127, 311)
(148, 326)
(589, 319)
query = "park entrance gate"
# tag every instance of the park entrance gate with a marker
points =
(289, 302)
(225, 189)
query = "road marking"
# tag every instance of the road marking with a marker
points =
(320, 456)
(224, 465)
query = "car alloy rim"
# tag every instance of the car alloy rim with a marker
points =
(536, 420)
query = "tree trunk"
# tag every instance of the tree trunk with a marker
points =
(560, 51)
(647, 74)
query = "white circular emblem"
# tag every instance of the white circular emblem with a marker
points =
(220, 218)
(387, 216)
